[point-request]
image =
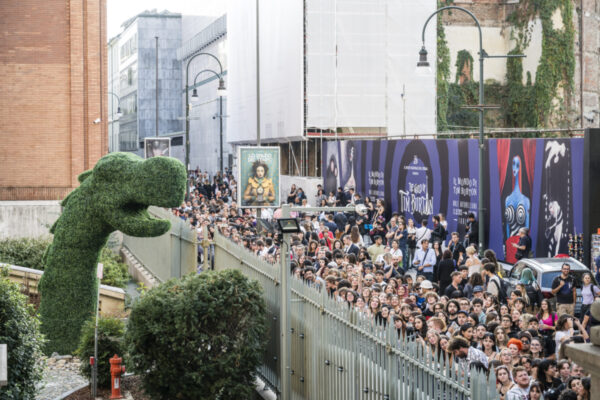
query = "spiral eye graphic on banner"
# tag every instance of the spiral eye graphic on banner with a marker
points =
(509, 213)
(521, 215)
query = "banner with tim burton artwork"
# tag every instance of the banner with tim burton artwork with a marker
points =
(534, 183)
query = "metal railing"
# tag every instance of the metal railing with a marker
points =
(171, 255)
(339, 353)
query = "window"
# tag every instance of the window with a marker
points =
(177, 141)
(128, 48)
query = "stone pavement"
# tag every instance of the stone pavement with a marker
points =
(61, 375)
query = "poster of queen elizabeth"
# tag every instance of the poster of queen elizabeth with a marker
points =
(259, 176)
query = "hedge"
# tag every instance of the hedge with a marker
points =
(110, 342)
(115, 195)
(28, 252)
(19, 329)
(201, 337)
(25, 252)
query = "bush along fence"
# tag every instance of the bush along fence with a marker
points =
(339, 353)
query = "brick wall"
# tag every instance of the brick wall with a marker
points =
(53, 67)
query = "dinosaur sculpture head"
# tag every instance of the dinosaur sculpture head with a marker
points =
(123, 185)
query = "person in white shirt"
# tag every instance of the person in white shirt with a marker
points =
(521, 390)
(424, 260)
(422, 233)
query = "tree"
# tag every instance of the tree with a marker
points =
(201, 337)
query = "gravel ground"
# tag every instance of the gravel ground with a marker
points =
(61, 375)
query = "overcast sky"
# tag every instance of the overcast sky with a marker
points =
(121, 10)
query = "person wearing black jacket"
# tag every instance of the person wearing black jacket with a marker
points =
(524, 245)
(472, 230)
(439, 233)
(457, 249)
(443, 271)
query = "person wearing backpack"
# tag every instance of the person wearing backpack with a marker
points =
(495, 285)
(589, 292)
(533, 290)
(563, 287)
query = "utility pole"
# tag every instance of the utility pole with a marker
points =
(258, 210)
(156, 37)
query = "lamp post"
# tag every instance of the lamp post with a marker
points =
(187, 112)
(118, 114)
(480, 107)
(220, 91)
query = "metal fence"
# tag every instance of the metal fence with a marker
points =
(339, 353)
(171, 255)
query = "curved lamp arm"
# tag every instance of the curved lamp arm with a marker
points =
(460, 9)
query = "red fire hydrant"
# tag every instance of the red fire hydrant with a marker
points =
(116, 370)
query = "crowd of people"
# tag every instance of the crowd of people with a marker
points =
(429, 283)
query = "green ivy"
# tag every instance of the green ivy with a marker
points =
(463, 57)
(529, 105)
(20, 331)
(443, 71)
(555, 70)
(115, 195)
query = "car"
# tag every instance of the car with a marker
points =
(545, 270)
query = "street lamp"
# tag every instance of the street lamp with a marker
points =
(187, 110)
(423, 63)
(220, 91)
(119, 114)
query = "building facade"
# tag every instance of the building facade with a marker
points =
(146, 111)
(53, 107)
(208, 109)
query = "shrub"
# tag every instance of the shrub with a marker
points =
(115, 271)
(19, 329)
(115, 195)
(201, 337)
(110, 342)
(25, 252)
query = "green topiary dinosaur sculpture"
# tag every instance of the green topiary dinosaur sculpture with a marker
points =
(115, 195)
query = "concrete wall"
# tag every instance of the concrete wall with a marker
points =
(27, 218)
(112, 299)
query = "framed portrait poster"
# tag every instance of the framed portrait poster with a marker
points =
(157, 146)
(258, 180)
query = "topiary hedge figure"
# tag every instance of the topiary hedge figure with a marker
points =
(19, 330)
(201, 337)
(115, 195)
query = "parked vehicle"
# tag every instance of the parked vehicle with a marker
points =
(545, 270)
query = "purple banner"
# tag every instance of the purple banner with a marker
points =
(532, 183)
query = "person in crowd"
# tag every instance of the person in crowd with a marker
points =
(445, 299)
(563, 287)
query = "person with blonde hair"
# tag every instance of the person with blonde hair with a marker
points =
(473, 262)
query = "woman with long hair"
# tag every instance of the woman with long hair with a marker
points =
(355, 236)
(503, 381)
(537, 347)
(535, 391)
(420, 325)
(491, 256)
(312, 248)
(547, 318)
(374, 306)
(475, 280)
(546, 375)
(489, 347)
(565, 331)
(366, 294)
(501, 338)
(589, 292)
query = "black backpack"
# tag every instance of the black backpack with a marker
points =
(534, 293)
(502, 290)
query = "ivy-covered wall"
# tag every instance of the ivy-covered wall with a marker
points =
(524, 102)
